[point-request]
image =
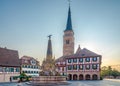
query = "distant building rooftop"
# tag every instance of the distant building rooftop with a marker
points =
(9, 57)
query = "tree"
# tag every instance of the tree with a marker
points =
(115, 73)
(108, 71)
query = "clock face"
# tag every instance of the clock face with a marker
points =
(33, 62)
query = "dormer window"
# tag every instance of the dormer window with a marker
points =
(33, 62)
(67, 41)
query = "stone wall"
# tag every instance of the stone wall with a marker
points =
(5, 77)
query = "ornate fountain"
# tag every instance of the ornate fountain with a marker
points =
(49, 75)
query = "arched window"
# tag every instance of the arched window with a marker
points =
(80, 77)
(75, 77)
(87, 77)
(94, 77)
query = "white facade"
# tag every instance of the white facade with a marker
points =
(31, 70)
(30, 66)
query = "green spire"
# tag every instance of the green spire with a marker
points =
(69, 22)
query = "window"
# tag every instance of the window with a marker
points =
(69, 67)
(81, 60)
(94, 59)
(62, 68)
(87, 67)
(12, 69)
(69, 60)
(74, 60)
(94, 66)
(74, 67)
(1, 69)
(17, 69)
(25, 71)
(25, 66)
(31, 66)
(87, 59)
(28, 66)
(7, 69)
(81, 67)
(67, 41)
(33, 62)
(28, 71)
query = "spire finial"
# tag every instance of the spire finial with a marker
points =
(69, 2)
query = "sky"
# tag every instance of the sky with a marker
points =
(25, 25)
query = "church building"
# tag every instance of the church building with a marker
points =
(81, 65)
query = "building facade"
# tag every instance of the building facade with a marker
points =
(9, 65)
(82, 65)
(30, 66)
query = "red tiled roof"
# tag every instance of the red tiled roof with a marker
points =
(79, 53)
(62, 58)
(9, 57)
(27, 60)
(84, 53)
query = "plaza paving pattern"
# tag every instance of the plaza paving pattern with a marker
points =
(75, 83)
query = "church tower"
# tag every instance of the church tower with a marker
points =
(68, 37)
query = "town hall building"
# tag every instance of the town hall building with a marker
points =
(81, 65)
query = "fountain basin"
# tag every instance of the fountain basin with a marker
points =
(48, 79)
